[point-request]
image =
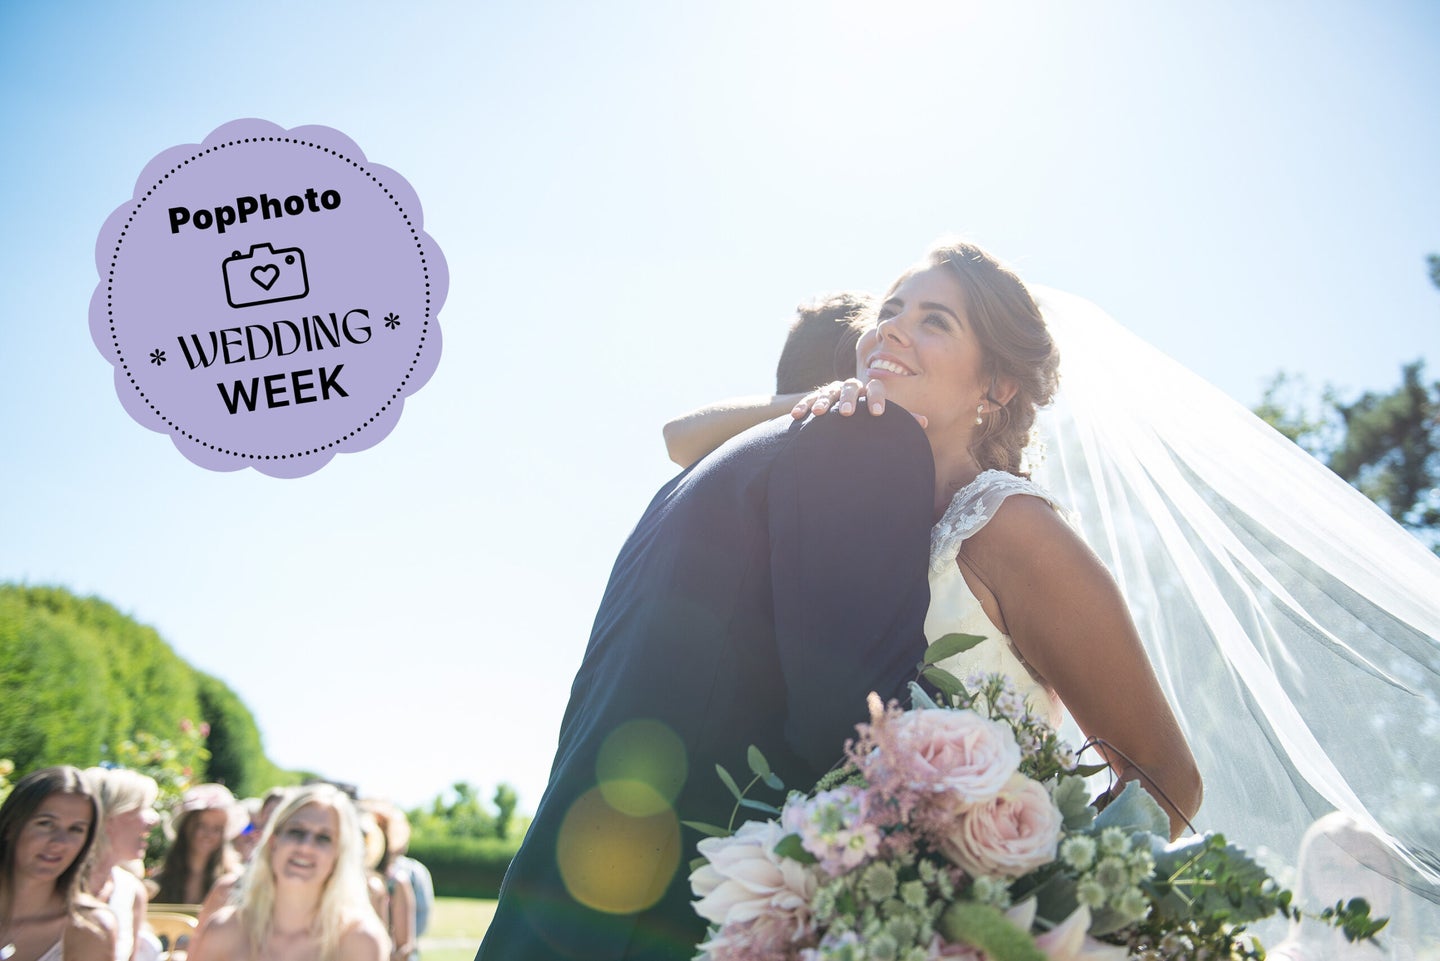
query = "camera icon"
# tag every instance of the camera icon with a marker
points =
(265, 276)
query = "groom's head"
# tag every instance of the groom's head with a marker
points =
(821, 344)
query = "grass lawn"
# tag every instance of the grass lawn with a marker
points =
(455, 929)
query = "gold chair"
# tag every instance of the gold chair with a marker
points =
(174, 926)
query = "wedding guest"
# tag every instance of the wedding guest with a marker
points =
(819, 349)
(1340, 859)
(47, 830)
(128, 800)
(303, 895)
(207, 821)
(394, 830)
(373, 850)
(397, 836)
(244, 842)
(222, 890)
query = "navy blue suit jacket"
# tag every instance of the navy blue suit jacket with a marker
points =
(764, 593)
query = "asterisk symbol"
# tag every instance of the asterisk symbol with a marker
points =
(392, 321)
(157, 357)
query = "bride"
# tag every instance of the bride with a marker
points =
(1289, 622)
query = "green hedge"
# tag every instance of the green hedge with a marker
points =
(77, 676)
(465, 867)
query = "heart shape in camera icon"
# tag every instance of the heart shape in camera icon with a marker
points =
(272, 276)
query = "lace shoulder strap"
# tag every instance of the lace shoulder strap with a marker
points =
(972, 507)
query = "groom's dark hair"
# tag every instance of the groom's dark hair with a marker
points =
(821, 344)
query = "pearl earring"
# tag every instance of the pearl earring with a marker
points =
(978, 412)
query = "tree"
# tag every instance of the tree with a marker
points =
(505, 801)
(1385, 443)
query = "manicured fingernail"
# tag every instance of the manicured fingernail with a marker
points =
(876, 408)
(846, 407)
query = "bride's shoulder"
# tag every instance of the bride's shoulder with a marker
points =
(995, 507)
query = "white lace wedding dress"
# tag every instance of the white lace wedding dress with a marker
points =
(954, 609)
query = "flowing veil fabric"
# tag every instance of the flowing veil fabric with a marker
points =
(1293, 625)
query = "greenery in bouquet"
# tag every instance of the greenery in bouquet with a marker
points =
(963, 829)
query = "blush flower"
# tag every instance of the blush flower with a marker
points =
(1069, 941)
(745, 883)
(1009, 835)
(958, 752)
(833, 826)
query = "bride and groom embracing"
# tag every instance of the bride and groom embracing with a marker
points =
(770, 587)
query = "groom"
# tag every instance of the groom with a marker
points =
(763, 594)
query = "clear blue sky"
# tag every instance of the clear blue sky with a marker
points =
(631, 198)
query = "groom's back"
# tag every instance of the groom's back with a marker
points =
(730, 619)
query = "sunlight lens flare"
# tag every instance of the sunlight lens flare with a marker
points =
(615, 862)
(641, 768)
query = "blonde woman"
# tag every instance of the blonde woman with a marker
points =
(303, 896)
(128, 800)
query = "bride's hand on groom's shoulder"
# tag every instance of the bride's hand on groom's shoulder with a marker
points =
(842, 396)
(846, 397)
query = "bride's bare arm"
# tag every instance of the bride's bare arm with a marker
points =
(1065, 613)
(691, 436)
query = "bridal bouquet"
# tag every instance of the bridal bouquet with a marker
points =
(963, 829)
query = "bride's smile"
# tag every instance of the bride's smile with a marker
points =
(923, 350)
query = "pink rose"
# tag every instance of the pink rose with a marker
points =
(956, 751)
(745, 881)
(1009, 835)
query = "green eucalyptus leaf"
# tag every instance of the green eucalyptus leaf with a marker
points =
(949, 646)
(709, 830)
(792, 847)
(1090, 770)
(1055, 899)
(697, 863)
(729, 782)
(760, 806)
(758, 765)
(773, 782)
(944, 681)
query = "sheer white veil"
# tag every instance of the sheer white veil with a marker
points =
(1293, 625)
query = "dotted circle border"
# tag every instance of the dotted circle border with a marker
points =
(110, 293)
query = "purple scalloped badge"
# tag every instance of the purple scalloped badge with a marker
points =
(268, 298)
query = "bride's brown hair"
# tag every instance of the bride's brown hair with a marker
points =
(1017, 347)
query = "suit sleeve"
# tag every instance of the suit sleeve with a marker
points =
(850, 515)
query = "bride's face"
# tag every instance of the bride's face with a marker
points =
(925, 351)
